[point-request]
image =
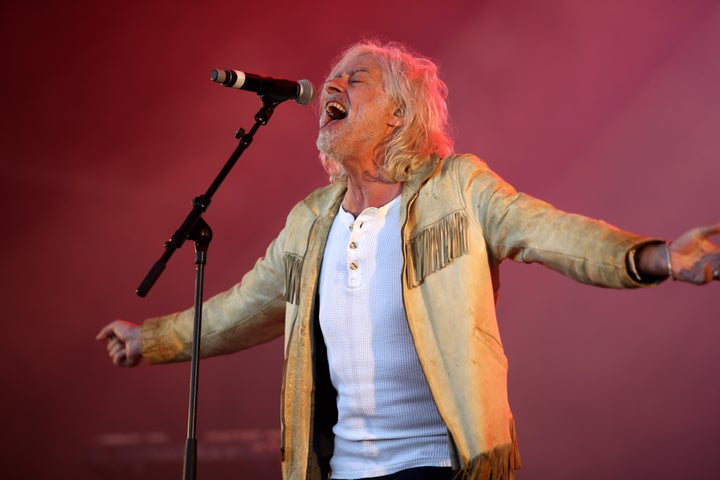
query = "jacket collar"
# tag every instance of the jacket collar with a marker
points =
(419, 176)
(326, 200)
(412, 186)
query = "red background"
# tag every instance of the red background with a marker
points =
(110, 126)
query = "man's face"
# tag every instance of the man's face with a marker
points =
(356, 113)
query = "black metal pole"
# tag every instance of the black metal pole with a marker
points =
(196, 229)
(201, 203)
(201, 234)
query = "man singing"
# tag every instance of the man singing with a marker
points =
(384, 285)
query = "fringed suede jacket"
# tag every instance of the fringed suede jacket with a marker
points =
(459, 221)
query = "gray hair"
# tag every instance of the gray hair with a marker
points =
(412, 81)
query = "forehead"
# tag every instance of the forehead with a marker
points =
(357, 62)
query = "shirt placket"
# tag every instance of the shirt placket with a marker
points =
(358, 236)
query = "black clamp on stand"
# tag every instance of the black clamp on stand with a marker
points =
(197, 230)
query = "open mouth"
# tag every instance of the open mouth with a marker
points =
(335, 111)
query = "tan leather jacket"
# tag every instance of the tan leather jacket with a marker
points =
(459, 221)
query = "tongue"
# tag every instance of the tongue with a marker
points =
(336, 114)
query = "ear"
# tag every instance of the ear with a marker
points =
(397, 119)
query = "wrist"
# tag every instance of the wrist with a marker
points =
(668, 260)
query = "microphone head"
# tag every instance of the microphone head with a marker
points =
(218, 76)
(307, 92)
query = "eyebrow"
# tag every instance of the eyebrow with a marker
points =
(358, 70)
(350, 72)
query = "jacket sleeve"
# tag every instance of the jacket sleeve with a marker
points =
(249, 313)
(525, 229)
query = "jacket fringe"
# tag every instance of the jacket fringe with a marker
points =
(499, 464)
(437, 245)
(293, 267)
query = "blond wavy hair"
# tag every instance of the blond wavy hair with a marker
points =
(412, 81)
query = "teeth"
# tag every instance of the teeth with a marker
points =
(335, 111)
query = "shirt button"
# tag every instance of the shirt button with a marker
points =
(353, 266)
(353, 245)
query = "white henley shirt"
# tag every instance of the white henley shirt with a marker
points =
(387, 419)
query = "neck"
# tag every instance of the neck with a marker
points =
(368, 189)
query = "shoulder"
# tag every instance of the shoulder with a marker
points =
(461, 169)
(463, 162)
(468, 177)
(319, 201)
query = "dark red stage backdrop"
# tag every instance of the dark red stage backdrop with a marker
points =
(110, 126)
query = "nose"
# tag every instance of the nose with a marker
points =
(335, 85)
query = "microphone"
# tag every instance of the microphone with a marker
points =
(301, 91)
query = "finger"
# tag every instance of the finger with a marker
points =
(696, 276)
(708, 271)
(709, 230)
(116, 347)
(105, 332)
(119, 359)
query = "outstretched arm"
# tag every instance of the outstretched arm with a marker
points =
(691, 257)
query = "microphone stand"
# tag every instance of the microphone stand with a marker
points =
(197, 230)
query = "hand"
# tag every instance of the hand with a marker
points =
(123, 342)
(694, 258)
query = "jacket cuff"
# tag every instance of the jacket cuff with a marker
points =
(634, 272)
(158, 346)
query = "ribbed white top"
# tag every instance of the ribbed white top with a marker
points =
(387, 419)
